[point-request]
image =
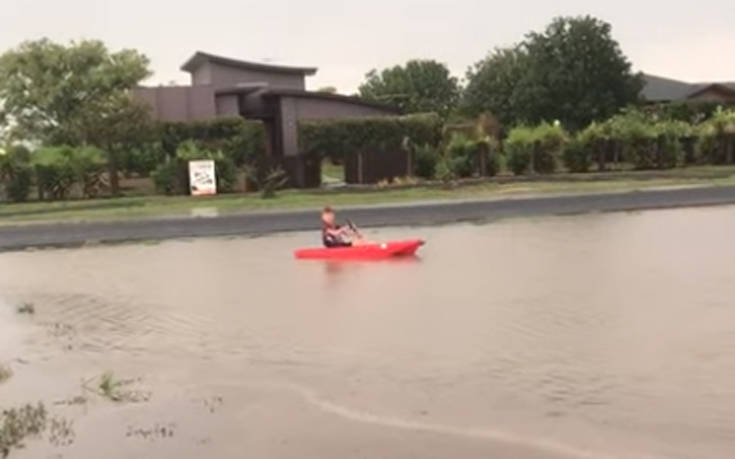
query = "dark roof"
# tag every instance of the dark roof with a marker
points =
(200, 58)
(330, 96)
(661, 89)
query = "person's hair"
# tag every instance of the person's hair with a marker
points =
(327, 210)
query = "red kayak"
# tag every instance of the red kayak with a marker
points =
(363, 252)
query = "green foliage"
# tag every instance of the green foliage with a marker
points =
(463, 153)
(18, 424)
(16, 174)
(58, 169)
(688, 112)
(535, 149)
(172, 177)
(240, 140)
(336, 139)
(573, 71)
(65, 94)
(492, 82)
(142, 159)
(425, 161)
(716, 143)
(576, 157)
(445, 169)
(420, 86)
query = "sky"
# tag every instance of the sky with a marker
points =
(345, 39)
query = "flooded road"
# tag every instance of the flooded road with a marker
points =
(597, 336)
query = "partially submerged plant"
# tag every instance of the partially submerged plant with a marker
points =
(26, 308)
(5, 373)
(109, 387)
(18, 424)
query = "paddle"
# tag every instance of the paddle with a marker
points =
(353, 228)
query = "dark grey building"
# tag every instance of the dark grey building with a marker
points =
(659, 89)
(275, 94)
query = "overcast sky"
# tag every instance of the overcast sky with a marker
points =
(347, 38)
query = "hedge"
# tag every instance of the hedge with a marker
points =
(58, 169)
(335, 139)
(242, 141)
(716, 139)
(535, 149)
(172, 177)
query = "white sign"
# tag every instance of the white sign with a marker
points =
(202, 179)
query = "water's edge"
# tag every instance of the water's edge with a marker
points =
(20, 237)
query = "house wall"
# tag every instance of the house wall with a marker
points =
(202, 75)
(178, 103)
(228, 105)
(295, 109)
(223, 76)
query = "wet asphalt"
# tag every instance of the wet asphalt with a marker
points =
(20, 237)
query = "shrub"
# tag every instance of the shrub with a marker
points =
(143, 160)
(644, 143)
(716, 143)
(172, 177)
(88, 164)
(445, 169)
(462, 153)
(240, 140)
(535, 149)
(55, 173)
(576, 157)
(16, 173)
(424, 162)
(336, 139)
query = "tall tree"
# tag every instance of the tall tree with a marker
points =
(69, 94)
(416, 87)
(492, 82)
(574, 71)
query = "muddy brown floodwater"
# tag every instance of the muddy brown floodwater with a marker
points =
(596, 336)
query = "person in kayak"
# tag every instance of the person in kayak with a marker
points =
(334, 235)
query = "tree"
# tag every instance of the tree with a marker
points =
(69, 95)
(492, 83)
(419, 86)
(574, 72)
(327, 90)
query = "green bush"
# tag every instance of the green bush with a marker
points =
(463, 153)
(143, 160)
(716, 142)
(336, 139)
(425, 158)
(576, 157)
(645, 143)
(242, 141)
(172, 177)
(55, 173)
(16, 174)
(535, 149)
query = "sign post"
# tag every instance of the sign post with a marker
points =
(202, 178)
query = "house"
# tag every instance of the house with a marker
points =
(658, 90)
(274, 94)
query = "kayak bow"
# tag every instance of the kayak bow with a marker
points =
(363, 252)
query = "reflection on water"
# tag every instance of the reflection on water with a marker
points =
(592, 336)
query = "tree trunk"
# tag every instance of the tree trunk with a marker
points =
(484, 152)
(114, 174)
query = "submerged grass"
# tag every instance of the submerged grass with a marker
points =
(5, 373)
(18, 424)
(26, 308)
(499, 187)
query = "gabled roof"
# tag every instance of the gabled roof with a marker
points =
(661, 89)
(199, 58)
